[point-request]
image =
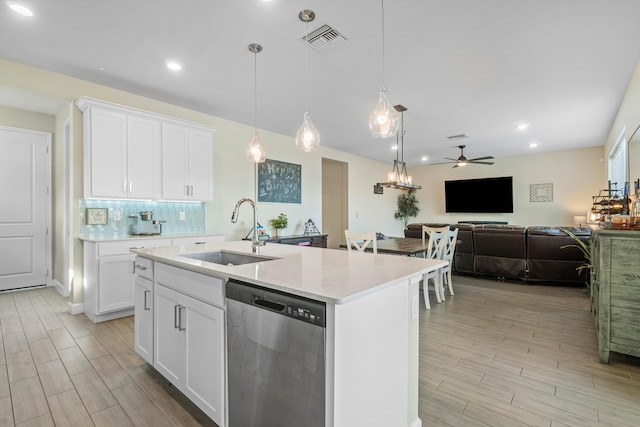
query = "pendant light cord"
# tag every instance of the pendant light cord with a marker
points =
(255, 90)
(382, 1)
(306, 63)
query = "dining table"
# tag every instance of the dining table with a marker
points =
(409, 246)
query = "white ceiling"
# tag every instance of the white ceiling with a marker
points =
(459, 66)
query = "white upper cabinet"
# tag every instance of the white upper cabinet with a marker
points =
(187, 163)
(130, 153)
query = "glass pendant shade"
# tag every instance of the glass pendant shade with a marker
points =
(307, 137)
(256, 152)
(384, 120)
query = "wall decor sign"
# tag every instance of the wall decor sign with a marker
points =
(97, 216)
(541, 192)
(279, 182)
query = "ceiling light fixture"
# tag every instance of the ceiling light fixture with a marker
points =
(522, 126)
(398, 177)
(174, 66)
(20, 9)
(307, 137)
(256, 152)
(533, 145)
(383, 120)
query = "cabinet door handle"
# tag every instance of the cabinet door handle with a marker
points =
(182, 319)
(186, 188)
(141, 267)
(130, 186)
(176, 315)
(146, 300)
(133, 271)
(124, 185)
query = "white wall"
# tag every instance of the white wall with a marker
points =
(576, 175)
(627, 120)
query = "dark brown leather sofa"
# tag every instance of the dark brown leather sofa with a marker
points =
(532, 254)
(500, 251)
(548, 261)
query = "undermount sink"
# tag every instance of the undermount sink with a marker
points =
(227, 258)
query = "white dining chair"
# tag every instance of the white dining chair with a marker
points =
(426, 231)
(448, 251)
(360, 241)
(434, 251)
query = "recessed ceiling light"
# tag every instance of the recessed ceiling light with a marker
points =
(424, 158)
(20, 9)
(533, 145)
(174, 66)
(522, 126)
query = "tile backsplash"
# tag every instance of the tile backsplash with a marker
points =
(119, 210)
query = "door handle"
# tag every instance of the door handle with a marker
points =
(176, 315)
(146, 306)
(182, 320)
(130, 186)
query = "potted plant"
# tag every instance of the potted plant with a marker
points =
(279, 223)
(407, 206)
(586, 253)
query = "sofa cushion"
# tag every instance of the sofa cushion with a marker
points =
(552, 255)
(500, 250)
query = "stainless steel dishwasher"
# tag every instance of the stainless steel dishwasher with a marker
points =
(276, 363)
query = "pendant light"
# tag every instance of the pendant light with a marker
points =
(398, 177)
(383, 120)
(256, 151)
(307, 137)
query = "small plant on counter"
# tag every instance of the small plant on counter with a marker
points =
(280, 222)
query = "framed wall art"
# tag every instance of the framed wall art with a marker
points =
(279, 182)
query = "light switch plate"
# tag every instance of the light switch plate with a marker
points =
(182, 216)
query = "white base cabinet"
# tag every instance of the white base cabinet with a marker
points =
(143, 319)
(188, 338)
(109, 273)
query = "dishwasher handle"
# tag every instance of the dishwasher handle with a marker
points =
(271, 305)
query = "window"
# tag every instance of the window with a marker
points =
(618, 163)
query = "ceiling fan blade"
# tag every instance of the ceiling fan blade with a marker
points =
(449, 158)
(481, 163)
(455, 166)
(481, 158)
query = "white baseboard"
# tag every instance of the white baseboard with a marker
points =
(75, 308)
(416, 423)
(61, 289)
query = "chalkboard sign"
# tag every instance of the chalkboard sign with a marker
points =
(279, 182)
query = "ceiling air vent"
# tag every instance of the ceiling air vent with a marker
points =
(324, 38)
(458, 137)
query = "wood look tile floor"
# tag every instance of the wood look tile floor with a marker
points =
(497, 354)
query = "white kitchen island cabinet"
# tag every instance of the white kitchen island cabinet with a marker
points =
(372, 301)
(187, 163)
(189, 339)
(143, 319)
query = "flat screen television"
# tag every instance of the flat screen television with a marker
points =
(485, 195)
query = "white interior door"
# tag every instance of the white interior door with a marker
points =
(23, 207)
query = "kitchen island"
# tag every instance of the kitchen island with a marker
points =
(372, 302)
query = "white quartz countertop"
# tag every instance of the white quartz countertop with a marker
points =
(329, 275)
(95, 239)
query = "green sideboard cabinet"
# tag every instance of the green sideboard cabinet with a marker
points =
(615, 291)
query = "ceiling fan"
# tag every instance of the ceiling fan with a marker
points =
(462, 160)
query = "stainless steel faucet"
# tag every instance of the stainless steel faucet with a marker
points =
(255, 242)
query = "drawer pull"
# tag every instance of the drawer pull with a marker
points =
(136, 247)
(176, 315)
(141, 267)
(200, 243)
